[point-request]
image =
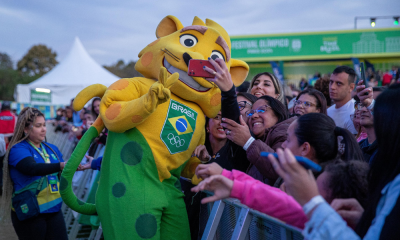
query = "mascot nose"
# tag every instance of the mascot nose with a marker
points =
(186, 58)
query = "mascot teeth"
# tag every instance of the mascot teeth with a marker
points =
(184, 77)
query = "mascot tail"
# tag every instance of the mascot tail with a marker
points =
(68, 196)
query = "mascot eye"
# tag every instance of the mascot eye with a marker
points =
(188, 40)
(217, 54)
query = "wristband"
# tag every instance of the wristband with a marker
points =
(248, 143)
(371, 106)
(313, 203)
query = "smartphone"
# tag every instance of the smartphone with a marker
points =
(196, 68)
(362, 71)
(305, 162)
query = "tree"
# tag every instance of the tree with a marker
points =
(5, 61)
(38, 61)
(123, 70)
(9, 78)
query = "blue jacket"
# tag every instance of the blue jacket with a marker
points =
(325, 223)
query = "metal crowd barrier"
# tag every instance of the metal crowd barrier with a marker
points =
(229, 219)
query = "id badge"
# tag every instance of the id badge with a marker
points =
(53, 183)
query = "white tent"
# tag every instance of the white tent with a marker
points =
(77, 71)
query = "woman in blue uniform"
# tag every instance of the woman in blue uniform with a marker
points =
(31, 181)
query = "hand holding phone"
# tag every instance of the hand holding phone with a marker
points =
(305, 162)
(196, 68)
(362, 71)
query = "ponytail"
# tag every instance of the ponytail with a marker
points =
(26, 117)
(321, 132)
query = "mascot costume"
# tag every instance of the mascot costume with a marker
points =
(155, 122)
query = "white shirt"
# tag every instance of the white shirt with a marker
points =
(341, 116)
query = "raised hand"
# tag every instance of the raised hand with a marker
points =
(206, 170)
(349, 209)
(237, 133)
(299, 182)
(201, 153)
(159, 92)
(366, 95)
(222, 76)
(220, 185)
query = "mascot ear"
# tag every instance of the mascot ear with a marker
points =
(239, 71)
(168, 25)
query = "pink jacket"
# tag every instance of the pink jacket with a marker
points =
(266, 199)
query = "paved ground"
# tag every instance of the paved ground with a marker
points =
(7, 232)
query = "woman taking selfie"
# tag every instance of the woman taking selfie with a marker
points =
(31, 181)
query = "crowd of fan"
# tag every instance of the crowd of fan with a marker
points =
(332, 120)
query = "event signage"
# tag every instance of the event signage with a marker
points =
(40, 96)
(318, 45)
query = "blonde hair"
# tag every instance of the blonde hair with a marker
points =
(277, 86)
(26, 117)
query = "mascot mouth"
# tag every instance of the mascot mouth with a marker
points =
(184, 77)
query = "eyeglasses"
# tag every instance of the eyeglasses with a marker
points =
(306, 104)
(242, 105)
(259, 110)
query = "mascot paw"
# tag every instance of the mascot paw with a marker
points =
(159, 91)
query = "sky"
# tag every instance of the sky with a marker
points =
(113, 30)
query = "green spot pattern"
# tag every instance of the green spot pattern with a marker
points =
(63, 183)
(118, 190)
(146, 226)
(131, 153)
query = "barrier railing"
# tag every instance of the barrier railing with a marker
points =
(229, 219)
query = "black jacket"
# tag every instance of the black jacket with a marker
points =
(369, 150)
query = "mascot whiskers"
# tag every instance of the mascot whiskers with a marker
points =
(155, 122)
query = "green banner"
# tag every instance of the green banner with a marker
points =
(40, 96)
(318, 45)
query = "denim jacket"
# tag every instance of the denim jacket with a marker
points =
(325, 223)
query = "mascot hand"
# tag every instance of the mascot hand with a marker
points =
(159, 92)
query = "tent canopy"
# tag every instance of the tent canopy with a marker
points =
(77, 71)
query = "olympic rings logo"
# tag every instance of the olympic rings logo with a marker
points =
(175, 140)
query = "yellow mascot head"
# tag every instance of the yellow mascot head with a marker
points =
(176, 45)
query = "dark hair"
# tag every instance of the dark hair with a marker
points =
(386, 163)
(248, 96)
(94, 100)
(243, 87)
(348, 180)
(348, 70)
(321, 133)
(279, 109)
(6, 105)
(321, 100)
(322, 85)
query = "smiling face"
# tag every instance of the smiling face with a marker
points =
(177, 45)
(258, 122)
(264, 85)
(215, 128)
(306, 104)
(37, 130)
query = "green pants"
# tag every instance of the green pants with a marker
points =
(131, 201)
